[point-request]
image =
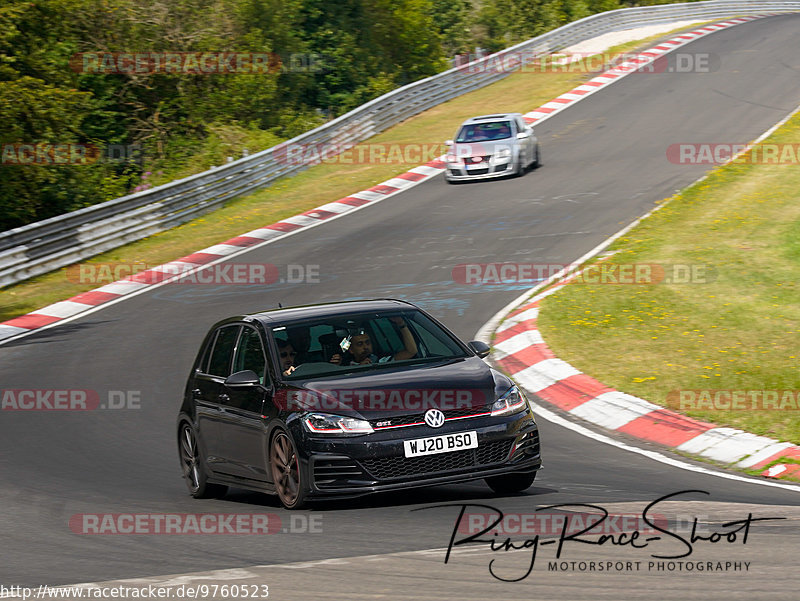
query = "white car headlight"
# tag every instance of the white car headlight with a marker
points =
(511, 402)
(503, 153)
(337, 425)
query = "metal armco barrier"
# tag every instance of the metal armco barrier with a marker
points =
(47, 245)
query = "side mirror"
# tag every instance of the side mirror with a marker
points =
(448, 142)
(523, 135)
(242, 379)
(481, 348)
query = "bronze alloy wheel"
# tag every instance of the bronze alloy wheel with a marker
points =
(286, 471)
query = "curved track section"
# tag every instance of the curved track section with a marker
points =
(605, 165)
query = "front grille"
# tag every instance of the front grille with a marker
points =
(477, 171)
(419, 418)
(337, 471)
(388, 468)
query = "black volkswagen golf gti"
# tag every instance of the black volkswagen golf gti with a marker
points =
(344, 399)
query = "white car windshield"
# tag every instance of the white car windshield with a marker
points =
(484, 132)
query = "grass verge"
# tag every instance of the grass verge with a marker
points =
(733, 326)
(519, 92)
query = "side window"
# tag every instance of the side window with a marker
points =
(250, 354)
(220, 363)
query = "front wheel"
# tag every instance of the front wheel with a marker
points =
(286, 471)
(538, 162)
(192, 462)
(510, 483)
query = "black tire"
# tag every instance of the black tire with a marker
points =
(286, 475)
(193, 466)
(510, 483)
(538, 162)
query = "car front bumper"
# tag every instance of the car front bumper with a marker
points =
(486, 171)
(376, 462)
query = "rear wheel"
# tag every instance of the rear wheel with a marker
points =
(510, 483)
(286, 471)
(193, 465)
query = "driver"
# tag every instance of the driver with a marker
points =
(360, 347)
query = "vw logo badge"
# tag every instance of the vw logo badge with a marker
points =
(434, 418)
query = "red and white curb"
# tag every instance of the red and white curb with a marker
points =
(627, 67)
(91, 301)
(521, 351)
(180, 268)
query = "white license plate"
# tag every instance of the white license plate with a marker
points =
(441, 444)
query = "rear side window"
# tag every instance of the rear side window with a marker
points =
(220, 363)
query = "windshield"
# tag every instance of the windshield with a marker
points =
(335, 346)
(485, 132)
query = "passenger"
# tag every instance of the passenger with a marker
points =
(360, 347)
(287, 354)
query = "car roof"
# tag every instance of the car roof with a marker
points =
(485, 118)
(287, 315)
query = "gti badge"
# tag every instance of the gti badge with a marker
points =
(434, 418)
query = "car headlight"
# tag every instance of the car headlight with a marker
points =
(511, 402)
(503, 153)
(451, 158)
(337, 425)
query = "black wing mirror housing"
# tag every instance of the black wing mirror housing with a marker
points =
(480, 348)
(242, 379)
